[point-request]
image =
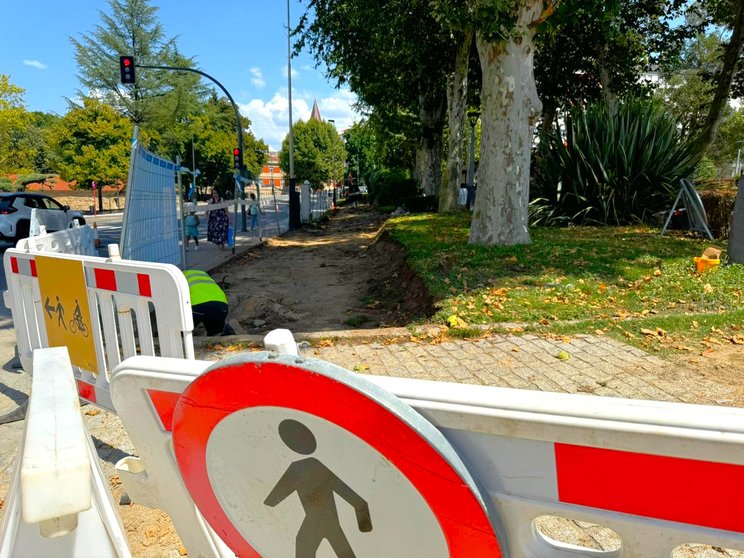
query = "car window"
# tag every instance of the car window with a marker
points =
(6, 202)
(31, 202)
(50, 203)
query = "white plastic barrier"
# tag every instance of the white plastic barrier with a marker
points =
(75, 240)
(119, 300)
(658, 474)
(58, 503)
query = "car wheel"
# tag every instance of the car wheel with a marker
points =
(22, 230)
(79, 220)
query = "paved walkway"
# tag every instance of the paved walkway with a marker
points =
(581, 364)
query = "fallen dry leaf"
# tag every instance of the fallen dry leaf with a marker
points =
(708, 288)
(92, 412)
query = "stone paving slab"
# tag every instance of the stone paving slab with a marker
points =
(583, 364)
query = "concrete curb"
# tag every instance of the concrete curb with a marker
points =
(348, 336)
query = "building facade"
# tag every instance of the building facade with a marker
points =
(271, 172)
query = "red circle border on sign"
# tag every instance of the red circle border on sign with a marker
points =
(222, 391)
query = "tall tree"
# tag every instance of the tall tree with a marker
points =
(92, 143)
(159, 99)
(319, 152)
(395, 56)
(728, 13)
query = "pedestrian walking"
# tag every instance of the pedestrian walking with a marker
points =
(192, 226)
(253, 210)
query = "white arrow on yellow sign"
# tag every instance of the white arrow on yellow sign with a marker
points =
(66, 312)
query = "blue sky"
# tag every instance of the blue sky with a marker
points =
(242, 44)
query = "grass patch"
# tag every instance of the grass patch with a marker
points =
(592, 278)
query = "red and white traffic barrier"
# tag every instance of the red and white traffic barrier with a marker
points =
(658, 474)
(58, 503)
(102, 311)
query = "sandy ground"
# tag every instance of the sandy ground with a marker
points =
(341, 275)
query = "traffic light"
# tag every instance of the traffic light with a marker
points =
(126, 69)
(238, 158)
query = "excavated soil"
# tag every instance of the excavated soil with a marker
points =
(345, 273)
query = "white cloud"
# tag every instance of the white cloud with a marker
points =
(270, 119)
(257, 79)
(35, 64)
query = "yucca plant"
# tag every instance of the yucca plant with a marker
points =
(616, 165)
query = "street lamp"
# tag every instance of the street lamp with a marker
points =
(473, 116)
(294, 198)
(331, 121)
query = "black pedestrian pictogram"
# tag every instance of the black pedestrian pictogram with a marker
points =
(315, 485)
(77, 323)
(60, 314)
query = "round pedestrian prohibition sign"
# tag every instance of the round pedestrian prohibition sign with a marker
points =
(317, 462)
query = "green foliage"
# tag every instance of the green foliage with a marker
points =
(706, 170)
(361, 142)
(14, 119)
(687, 90)
(617, 166)
(391, 186)
(319, 152)
(160, 99)
(584, 38)
(93, 142)
(724, 149)
(6, 184)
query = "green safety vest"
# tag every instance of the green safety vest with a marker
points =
(203, 288)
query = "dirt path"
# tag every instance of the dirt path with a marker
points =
(341, 275)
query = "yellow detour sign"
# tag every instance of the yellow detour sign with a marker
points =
(66, 312)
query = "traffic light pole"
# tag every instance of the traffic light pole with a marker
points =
(238, 189)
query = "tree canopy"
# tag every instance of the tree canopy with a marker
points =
(319, 152)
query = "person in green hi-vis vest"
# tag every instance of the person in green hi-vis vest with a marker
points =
(208, 302)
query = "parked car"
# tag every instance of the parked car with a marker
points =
(15, 214)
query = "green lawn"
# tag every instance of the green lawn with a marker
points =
(617, 279)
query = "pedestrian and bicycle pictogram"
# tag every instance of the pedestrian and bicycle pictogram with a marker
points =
(284, 460)
(65, 307)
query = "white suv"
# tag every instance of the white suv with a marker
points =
(15, 214)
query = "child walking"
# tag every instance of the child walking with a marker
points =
(192, 226)
(253, 210)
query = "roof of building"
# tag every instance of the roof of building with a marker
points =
(315, 115)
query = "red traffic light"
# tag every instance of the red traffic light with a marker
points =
(236, 151)
(126, 69)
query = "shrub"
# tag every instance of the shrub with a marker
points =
(719, 205)
(6, 184)
(421, 204)
(615, 167)
(391, 187)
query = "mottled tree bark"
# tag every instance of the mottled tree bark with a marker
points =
(428, 170)
(457, 91)
(509, 109)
